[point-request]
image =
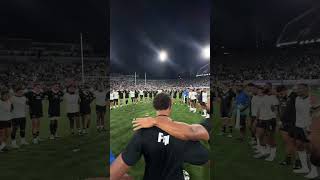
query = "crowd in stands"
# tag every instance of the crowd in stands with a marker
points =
(270, 68)
(128, 82)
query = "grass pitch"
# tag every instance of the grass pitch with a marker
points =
(121, 132)
(67, 158)
(234, 159)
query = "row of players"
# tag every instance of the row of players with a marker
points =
(269, 108)
(14, 105)
(188, 95)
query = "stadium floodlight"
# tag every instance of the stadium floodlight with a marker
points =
(206, 52)
(163, 55)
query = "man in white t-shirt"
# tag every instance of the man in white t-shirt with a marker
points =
(302, 129)
(19, 116)
(116, 98)
(72, 100)
(5, 119)
(266, 125)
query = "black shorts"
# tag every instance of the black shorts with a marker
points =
(100, 108)
(268, 125)
(16, 122)
(5, 124)
(54, 112)
(225, 113)
(299, 134)
(116, 100)
(72, 115)
(85, 109)
(243, 121)
(286, 127)
(193, 100)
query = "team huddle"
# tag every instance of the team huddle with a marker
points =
(265, 110)
(18, 101)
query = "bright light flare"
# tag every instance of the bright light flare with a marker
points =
(206, 52)
(163, 56)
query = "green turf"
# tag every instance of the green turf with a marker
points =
(234, 160)
(52, 160)
(121, 132)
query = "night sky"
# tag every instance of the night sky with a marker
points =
(140, 28)
(56, 20)
(240, 24)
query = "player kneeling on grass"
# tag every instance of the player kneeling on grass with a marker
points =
(19, 116)
(164, 155)
(55, 97)
(101, 102)
(5, 119)
(86, 97)
(34, 100)
(72, 105)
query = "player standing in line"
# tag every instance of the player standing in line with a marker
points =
(252, 115)
(145, 95)
(242, 102)
(132, 95)
(121, 99)
(193, 98)
(287, 113)
(5, 119)
(101, 101)
(55, 97)
(72, 105)
(256, 101)
(111, 99)
(226, 97)
(141, 95)
(126, 96)
(204, 98)
(136, 94)
(266, 125)
(34, 100)
(116, 98)
(86, 98)
(150, 95)
(302, 127)
(19, 116)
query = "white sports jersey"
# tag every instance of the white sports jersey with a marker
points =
(19, 106)
(255, 104)
(100, 98)
(141, 93)
(303, 114)
(131, 94)
(204, 97)
(265, 108)
(5, 110)
(72, 102)
(193, 95)
(115, 95)
(159, 91)
(111, 96)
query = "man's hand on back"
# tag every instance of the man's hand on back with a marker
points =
(140, 123)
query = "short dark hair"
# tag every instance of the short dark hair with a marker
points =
(162, 101)
(18, 87)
